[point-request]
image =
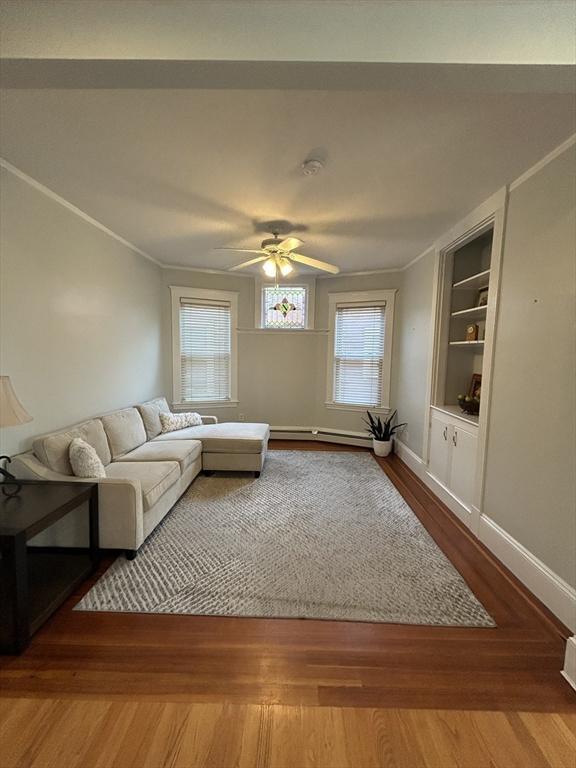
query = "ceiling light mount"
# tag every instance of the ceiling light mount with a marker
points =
(312, 167)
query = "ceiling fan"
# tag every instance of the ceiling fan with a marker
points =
(278, 256)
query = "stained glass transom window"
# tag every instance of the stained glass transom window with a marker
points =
(284, 306)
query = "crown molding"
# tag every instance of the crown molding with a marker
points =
(389, 270)
(206, 270)
(74, 209)
(560, 149)
(428, 250)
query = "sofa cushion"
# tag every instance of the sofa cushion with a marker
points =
(155, 477)
(182, 451)
(227, 437)
(150, 412)
(52, 449)
(84, 460)
(125, 430)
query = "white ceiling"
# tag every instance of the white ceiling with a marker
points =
(180, 172)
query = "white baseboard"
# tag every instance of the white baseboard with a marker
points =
(548, 587)
(321, 434)
(410, 458)
(558, 596)
(569, 671)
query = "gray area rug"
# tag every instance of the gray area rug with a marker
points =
(319, 535)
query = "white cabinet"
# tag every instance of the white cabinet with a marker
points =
(439, 449)
(463, 464)
(452, 455)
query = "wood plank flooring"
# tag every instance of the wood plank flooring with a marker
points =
(93, 687)
(105, 734)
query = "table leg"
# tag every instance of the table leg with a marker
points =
(14, 592)
(94, 529)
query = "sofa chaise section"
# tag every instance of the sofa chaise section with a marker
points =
(234, 446)
(229, 446)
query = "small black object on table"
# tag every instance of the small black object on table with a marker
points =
(35, 580)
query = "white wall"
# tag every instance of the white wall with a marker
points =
(415, 318)
(530, 475)
(80, 315)
(281, 375)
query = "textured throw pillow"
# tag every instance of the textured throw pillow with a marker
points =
(84, 460)
(173, 421)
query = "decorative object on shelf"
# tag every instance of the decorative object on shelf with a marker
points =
(482, 297)
(472, 332)
(470, 403)
(382, 432)
(475, 386)
(12, 413)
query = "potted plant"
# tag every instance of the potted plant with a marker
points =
(382, 432)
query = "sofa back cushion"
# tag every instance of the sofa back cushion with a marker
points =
(150, 412)
(125, 430)
(52, 449)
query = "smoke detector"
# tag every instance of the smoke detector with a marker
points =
(312, 167)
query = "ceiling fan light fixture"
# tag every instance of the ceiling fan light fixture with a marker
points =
(269, 267)
(285, 267)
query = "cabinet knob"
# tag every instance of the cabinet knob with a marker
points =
(455, 438)
(445, 433)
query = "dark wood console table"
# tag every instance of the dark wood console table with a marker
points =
(35, 580)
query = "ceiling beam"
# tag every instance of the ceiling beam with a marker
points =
(395, 31)
(320, 76)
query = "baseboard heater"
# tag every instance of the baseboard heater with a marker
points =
(323, 434)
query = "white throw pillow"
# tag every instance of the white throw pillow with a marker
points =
(84, 460)
(173, 421)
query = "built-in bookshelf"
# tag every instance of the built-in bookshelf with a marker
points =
(467, 290)
(468, 275)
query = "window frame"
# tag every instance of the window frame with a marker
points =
(308, 284)
(361, 299)
(204, 295)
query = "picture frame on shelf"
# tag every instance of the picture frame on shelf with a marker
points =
(482, 297)
(475, 389)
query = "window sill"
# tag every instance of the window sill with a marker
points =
(356, 408)
(205, 404)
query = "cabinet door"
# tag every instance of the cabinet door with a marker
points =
(463, 465)
(438, 464)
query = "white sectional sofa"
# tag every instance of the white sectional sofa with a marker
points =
(146, 471)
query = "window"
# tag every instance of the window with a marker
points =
(360, 349)
(284, 306)
(204, 346)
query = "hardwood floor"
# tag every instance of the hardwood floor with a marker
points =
(106, 734)
(136, 689)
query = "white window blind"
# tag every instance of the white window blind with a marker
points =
(359, 354)
(205, 354)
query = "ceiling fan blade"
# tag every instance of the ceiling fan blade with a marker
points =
(290, 243)
(240, 250)
(315, 263)
(248, 263)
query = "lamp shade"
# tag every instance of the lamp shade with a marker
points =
(12, 412)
